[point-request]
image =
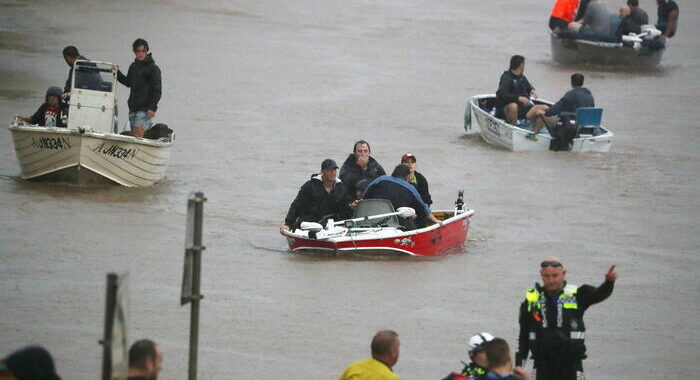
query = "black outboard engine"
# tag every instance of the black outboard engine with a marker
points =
(564, 132)
(459, 203)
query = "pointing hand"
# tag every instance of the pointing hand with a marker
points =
(612, 274)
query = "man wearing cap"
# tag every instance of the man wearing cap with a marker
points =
(401, 194)
(321, 197)
(551, 322)
(416, 179)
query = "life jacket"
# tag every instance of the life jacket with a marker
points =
(473, 369)
(565, 9)
(560, 339)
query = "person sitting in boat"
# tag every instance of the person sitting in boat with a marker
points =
(416, 179)
(596, 20)
(627, 23)
(667, 18)
(574, 99)
(359, 165)
(638, 14)
(360, 188)
(401, 194)
(563, 13)
(323, 196)
(513, 95)
(49, 114)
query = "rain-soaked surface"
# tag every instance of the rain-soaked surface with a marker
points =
(258, 94)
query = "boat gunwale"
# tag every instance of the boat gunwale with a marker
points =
(98, 135)
(341, 239)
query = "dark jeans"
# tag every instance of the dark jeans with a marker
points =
(556, 22)
(559, 371)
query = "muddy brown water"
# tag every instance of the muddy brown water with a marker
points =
(259, 93)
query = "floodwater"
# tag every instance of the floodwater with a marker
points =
(258, 94)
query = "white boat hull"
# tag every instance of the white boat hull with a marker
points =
(497, 132)
(69, 155)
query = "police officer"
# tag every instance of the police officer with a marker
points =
(551, 322)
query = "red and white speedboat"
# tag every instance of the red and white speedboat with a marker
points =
(375, 230)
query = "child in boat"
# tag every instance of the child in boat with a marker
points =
(50, 113)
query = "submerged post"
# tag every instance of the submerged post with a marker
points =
(114, 351)
(192, 273)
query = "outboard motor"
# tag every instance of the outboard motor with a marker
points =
(564, 132)
(459, 203)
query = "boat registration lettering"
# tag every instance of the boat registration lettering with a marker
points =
(53, 143)
(115, 151)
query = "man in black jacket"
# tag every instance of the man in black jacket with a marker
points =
(359, 165)
(320, 197)
(70, 55)
(551, 322)
(143, 78)
(513, 95)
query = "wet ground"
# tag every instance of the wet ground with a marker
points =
(259, 93)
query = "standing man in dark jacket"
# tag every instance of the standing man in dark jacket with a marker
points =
(551, 322)
(322, 196)
(513, 95)
(416, 179)
(359, 165)
(70, 55)
(574, 99)
(143, 78)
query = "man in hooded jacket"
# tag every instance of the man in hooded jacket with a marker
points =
(144, 79)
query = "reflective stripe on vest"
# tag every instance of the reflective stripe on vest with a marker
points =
(578, 335)
(567, 300)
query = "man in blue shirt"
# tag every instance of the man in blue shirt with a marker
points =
(401, 193)
(574, 99)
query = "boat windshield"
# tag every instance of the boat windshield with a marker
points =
(90, 76)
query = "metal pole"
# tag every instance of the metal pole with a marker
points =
(109, 325)
(196, 273)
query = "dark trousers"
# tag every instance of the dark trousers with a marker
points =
(559, 371)
(556, 22)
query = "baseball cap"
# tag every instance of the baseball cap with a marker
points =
(406, 156)
(328, 164)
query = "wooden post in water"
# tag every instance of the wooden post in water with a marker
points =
(115, 364)
(192, 273)
(109, 323)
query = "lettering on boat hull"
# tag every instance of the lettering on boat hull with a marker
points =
(115, 151)
(52, 143)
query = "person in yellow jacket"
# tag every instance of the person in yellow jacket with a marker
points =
(385, 354)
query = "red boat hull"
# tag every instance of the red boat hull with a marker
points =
(431, 241)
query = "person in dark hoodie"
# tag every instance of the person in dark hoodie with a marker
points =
(50, 113)
(321, 197)
(143, 78)
(359, 165)
(70, 55)
(574, 99)
(30, 363)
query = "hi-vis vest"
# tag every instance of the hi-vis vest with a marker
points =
(569, 317)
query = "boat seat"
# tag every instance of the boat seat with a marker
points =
(588, 120)
(369, 207)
